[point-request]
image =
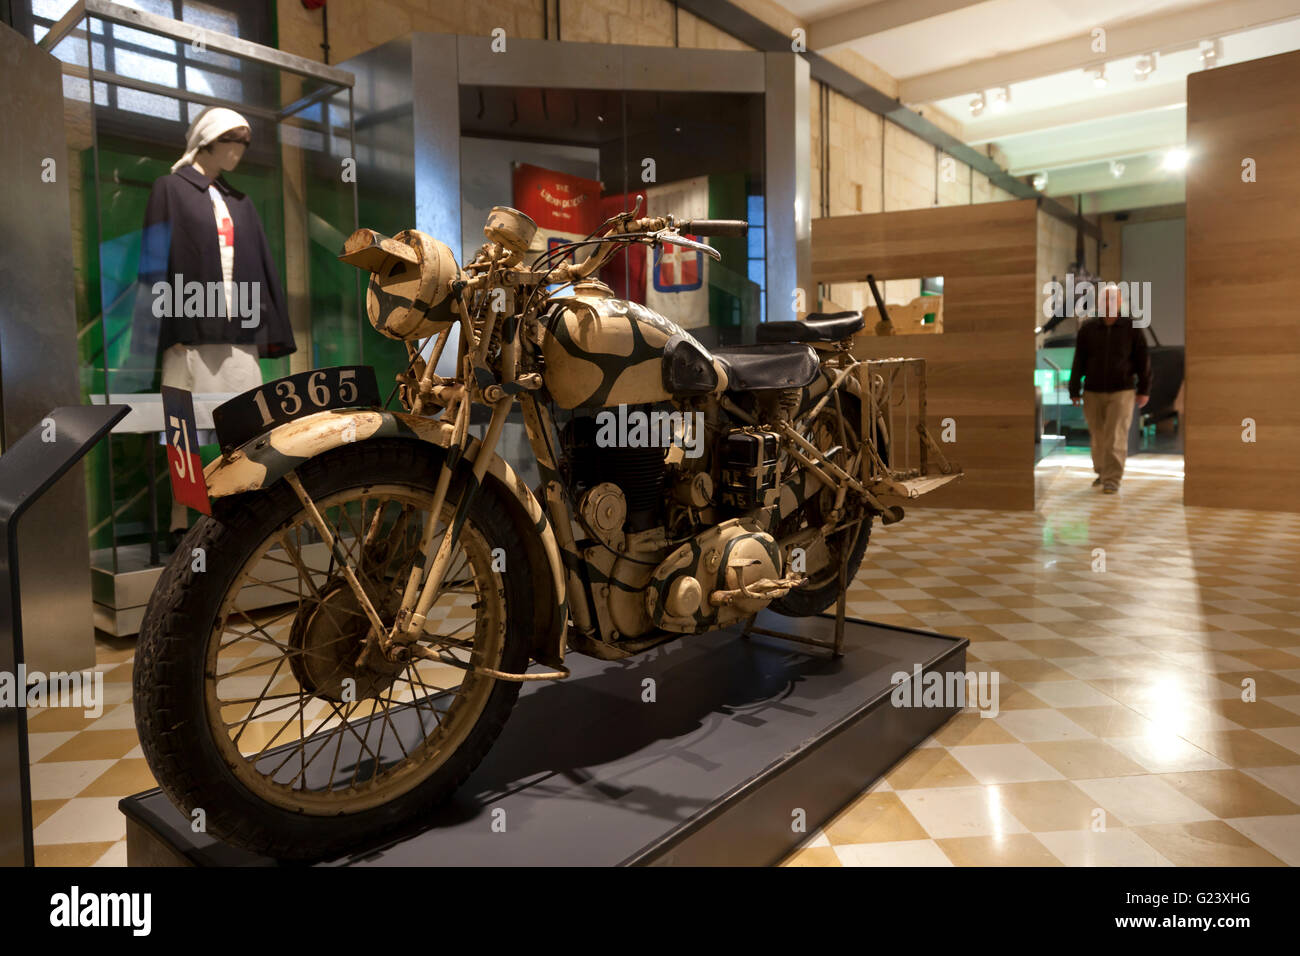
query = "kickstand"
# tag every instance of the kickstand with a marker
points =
(835, 646)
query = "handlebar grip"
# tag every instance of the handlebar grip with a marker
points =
(715, 227)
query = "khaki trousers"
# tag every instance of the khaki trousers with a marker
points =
(1109, 415)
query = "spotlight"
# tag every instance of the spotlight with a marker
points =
(1098, 76)
(1146, 65)
(1211, 50)
(1001, 97)
(1116, 169)
(977, 105)
(1175, 160)
(1040, 181)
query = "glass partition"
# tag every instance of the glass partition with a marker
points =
(151, 76)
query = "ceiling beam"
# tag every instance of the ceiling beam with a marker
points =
(1142, 99)
(744, 26)
(1162, 33)
(841, 28)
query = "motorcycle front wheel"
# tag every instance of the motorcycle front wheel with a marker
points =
(257, 712)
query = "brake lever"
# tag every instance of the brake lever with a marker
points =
(677, 239)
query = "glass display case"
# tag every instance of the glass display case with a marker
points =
(150, 76)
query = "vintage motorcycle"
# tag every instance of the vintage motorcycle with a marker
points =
(338, 645)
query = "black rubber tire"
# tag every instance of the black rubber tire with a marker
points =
(170, 710)
(805, 602)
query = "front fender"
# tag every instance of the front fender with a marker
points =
(264, 460)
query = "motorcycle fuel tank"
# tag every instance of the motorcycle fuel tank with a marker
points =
(603, 351)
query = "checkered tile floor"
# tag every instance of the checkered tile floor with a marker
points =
(1122, 736)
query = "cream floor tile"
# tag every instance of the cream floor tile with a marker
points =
(1004, 763)
(902, 853)
(120, 717)
(39, 745)
(1142, 800)
(1285, 780)
(1069, 693)
(53, 781)
(1279, 835)
(1206, 843)
(1165, 752)
(84, 819)
(1112, 847)
(1288, 737)
(114, 856)
(961, 812)
(1082, 759)
(1036, 725)
(812, 856)
(1012, 849)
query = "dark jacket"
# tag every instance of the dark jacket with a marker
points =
(1107, 358)
(180, 238)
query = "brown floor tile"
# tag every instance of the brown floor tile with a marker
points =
(94, 745)
(1242, 748)
(123, 779)
(874, 818)
(1011, 696)
(55, 719)
(1253, 714)
(1113, 721)
(1056, 648)
(1205, 843)
(1230, 793)
(1032, 671)
(1051, 805)
(813, 856)
(1267, 684)
(71, 854)
(1272, 658)
(43, 809)
(1012, 849)
(927, 768)
(969, 729)
(1085, 759)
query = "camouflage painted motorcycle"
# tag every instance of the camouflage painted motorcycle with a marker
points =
(375, 585)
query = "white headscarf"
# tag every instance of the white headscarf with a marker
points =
(207, 126)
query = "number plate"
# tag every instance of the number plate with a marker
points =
(260, 409)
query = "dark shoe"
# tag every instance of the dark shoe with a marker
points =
(1097, 482)
(1110, 489)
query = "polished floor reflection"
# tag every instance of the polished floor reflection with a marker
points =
(1148, 658)
(1124, 631)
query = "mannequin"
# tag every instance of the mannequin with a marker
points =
(214, 301)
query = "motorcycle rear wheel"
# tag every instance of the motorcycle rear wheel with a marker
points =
(234, 706)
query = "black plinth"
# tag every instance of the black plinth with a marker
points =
(743, 733)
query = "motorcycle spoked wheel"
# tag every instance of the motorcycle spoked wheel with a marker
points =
(248, 714)
(822, 587)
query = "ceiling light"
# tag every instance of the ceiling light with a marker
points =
(977, 105)
(1098, 75)
(1211, 50)
(1116, 169)
(1146, 65)
(1001, 97)
(1040, 181)
(1175, 160)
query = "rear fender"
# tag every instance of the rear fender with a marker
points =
(264, 460)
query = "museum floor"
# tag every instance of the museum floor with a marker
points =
(1121, 736)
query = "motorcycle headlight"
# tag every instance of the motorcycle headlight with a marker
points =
(409, 295)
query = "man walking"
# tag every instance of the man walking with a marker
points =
(1108, 356)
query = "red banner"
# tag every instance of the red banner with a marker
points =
(557, 202)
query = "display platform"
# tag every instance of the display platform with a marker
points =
(741, 735)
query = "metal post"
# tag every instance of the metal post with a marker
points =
(28, 468)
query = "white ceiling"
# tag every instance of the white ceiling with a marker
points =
(1057, 120)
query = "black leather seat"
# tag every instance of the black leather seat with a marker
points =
(752, 368)
(818, 327)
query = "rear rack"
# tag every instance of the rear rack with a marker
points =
(903, 460)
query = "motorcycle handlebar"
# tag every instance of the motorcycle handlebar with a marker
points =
(715, 227)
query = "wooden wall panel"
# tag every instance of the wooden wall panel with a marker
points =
(1243, 285)
(980, 369)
